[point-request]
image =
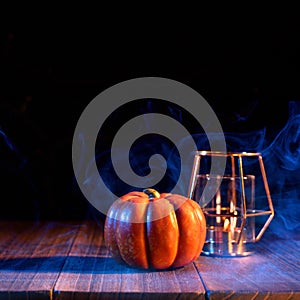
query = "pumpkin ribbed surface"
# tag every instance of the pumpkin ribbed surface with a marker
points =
(159, 232)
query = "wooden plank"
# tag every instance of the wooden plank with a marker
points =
(272, 271)
(31, 257)
(69, 261)
(90, 273)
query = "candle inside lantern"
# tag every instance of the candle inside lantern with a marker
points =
(228, 201)
(226, 235)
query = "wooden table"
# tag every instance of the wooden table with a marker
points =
(68, 260)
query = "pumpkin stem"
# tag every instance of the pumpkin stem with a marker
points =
(152, 193)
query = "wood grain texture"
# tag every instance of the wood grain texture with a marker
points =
(271, 272)
(68, 260)
(31, 257)
(90, 273)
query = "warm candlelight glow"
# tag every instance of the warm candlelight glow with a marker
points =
(236, 214)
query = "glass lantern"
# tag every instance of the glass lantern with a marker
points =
(237, 204)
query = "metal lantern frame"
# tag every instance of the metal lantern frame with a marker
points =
(237, 171)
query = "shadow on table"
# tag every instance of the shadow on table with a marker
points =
(70, 264)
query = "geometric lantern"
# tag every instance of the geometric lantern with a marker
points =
(237, 204)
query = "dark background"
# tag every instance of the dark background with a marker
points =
(247, 70)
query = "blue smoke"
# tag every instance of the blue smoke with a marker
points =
(281, 158)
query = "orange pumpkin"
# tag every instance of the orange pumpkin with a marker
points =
(152, 231)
